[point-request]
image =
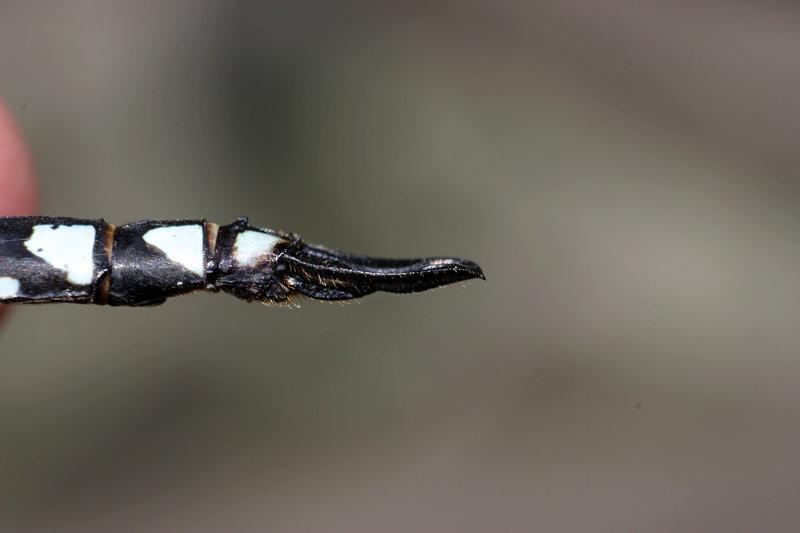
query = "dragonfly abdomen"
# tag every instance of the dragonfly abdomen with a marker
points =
(53, 259)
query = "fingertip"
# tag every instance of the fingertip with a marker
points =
(17, 183)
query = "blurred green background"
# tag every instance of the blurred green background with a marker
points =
(625, 172)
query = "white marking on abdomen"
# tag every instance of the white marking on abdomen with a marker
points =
(9, 287)
(250, 246)
(67, 248)
(181, 244)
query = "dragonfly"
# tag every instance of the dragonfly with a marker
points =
(89, 261)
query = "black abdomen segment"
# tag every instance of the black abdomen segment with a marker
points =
(52, 259)
(152, 261)
(45, 259)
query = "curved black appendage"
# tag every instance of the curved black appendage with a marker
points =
(329, 275)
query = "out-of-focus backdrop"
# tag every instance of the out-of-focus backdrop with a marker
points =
(626, 172)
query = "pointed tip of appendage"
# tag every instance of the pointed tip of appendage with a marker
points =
(451, 270)
(473, 269)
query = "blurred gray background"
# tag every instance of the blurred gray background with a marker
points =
(626, 172)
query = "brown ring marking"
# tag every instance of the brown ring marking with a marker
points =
(103, 287)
